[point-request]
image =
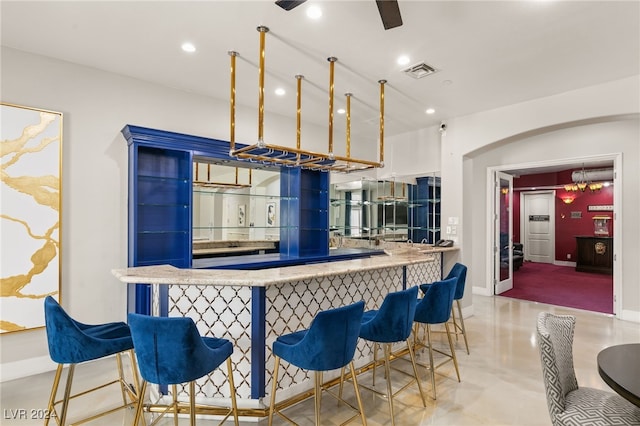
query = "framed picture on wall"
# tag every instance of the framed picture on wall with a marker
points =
(30, 214)
(242, 214)
(271, 214)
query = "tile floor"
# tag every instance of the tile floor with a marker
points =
(501, 379)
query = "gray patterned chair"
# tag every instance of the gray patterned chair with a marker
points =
(569, 404)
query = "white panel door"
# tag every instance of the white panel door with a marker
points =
(539, 226)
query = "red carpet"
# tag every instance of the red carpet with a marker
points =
(562, 286)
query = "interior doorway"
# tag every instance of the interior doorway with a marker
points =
(542, 249)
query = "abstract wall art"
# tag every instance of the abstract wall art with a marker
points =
(30, 214)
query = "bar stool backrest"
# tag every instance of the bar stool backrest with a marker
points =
(394, 320)
(170, 350)
(330, 342)
(73, 342)
(458, 271)
(435, 306)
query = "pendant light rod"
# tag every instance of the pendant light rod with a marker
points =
(263, 31)
(299, 79)
(348, 96)
(232, 103)
(382, 83)
(332, 61)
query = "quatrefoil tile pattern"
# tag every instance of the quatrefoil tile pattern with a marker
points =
(292, 307)
(225, 311)
(430, 271)
(219, 312)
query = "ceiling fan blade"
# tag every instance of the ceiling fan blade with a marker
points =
(289, 4)
(390, 13)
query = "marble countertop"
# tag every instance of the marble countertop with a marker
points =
(167, 274)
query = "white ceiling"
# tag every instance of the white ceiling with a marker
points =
(488, 53)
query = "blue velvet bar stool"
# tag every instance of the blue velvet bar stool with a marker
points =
(328, 344)
(72, 342)
(392, 323)
(459, 271)
(171, 351)
(435, 308)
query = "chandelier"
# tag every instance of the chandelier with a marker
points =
(582, 183)
(265, 153)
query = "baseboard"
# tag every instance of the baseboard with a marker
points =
(25, 368)
(564, 263)
(627, 315)
(482, 291)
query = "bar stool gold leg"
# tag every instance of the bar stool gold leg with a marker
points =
(123, 389)
(453, 351)
(143, 390)
(274, 385)
(192, 403)
(461, 326)
(318, 395)
(415, 372)
(67, 394)
(432, 368)
(387, 370)
(375, 361)
(54, 391)
(174, 394)
(135, 373)
(357, 390)
(234, 404)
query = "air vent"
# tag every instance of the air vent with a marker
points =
(419, 70)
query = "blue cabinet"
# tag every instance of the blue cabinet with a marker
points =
(159, 214)
(425, 209)
(161, 203)
(160, 219)
(305, 208)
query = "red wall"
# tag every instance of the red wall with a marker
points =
(566, 227)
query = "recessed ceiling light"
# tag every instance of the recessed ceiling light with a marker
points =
(314, 12)
(403, 60)
(341, 111)
(280, 91)
(188, 47)
(430, 111)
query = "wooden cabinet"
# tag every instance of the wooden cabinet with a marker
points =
(595, 254)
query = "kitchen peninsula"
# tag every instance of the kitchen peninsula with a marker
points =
(252, 307)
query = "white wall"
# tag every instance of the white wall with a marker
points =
(96, 106)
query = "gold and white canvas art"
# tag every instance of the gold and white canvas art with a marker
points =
(30, 201)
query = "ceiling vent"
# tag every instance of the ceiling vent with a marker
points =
(592, 175)
(419, 70)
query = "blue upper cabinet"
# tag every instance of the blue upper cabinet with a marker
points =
(160, 216)
(425, 197)
(305, 207)
(161, 200)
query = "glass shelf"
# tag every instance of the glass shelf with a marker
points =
(387, 209)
